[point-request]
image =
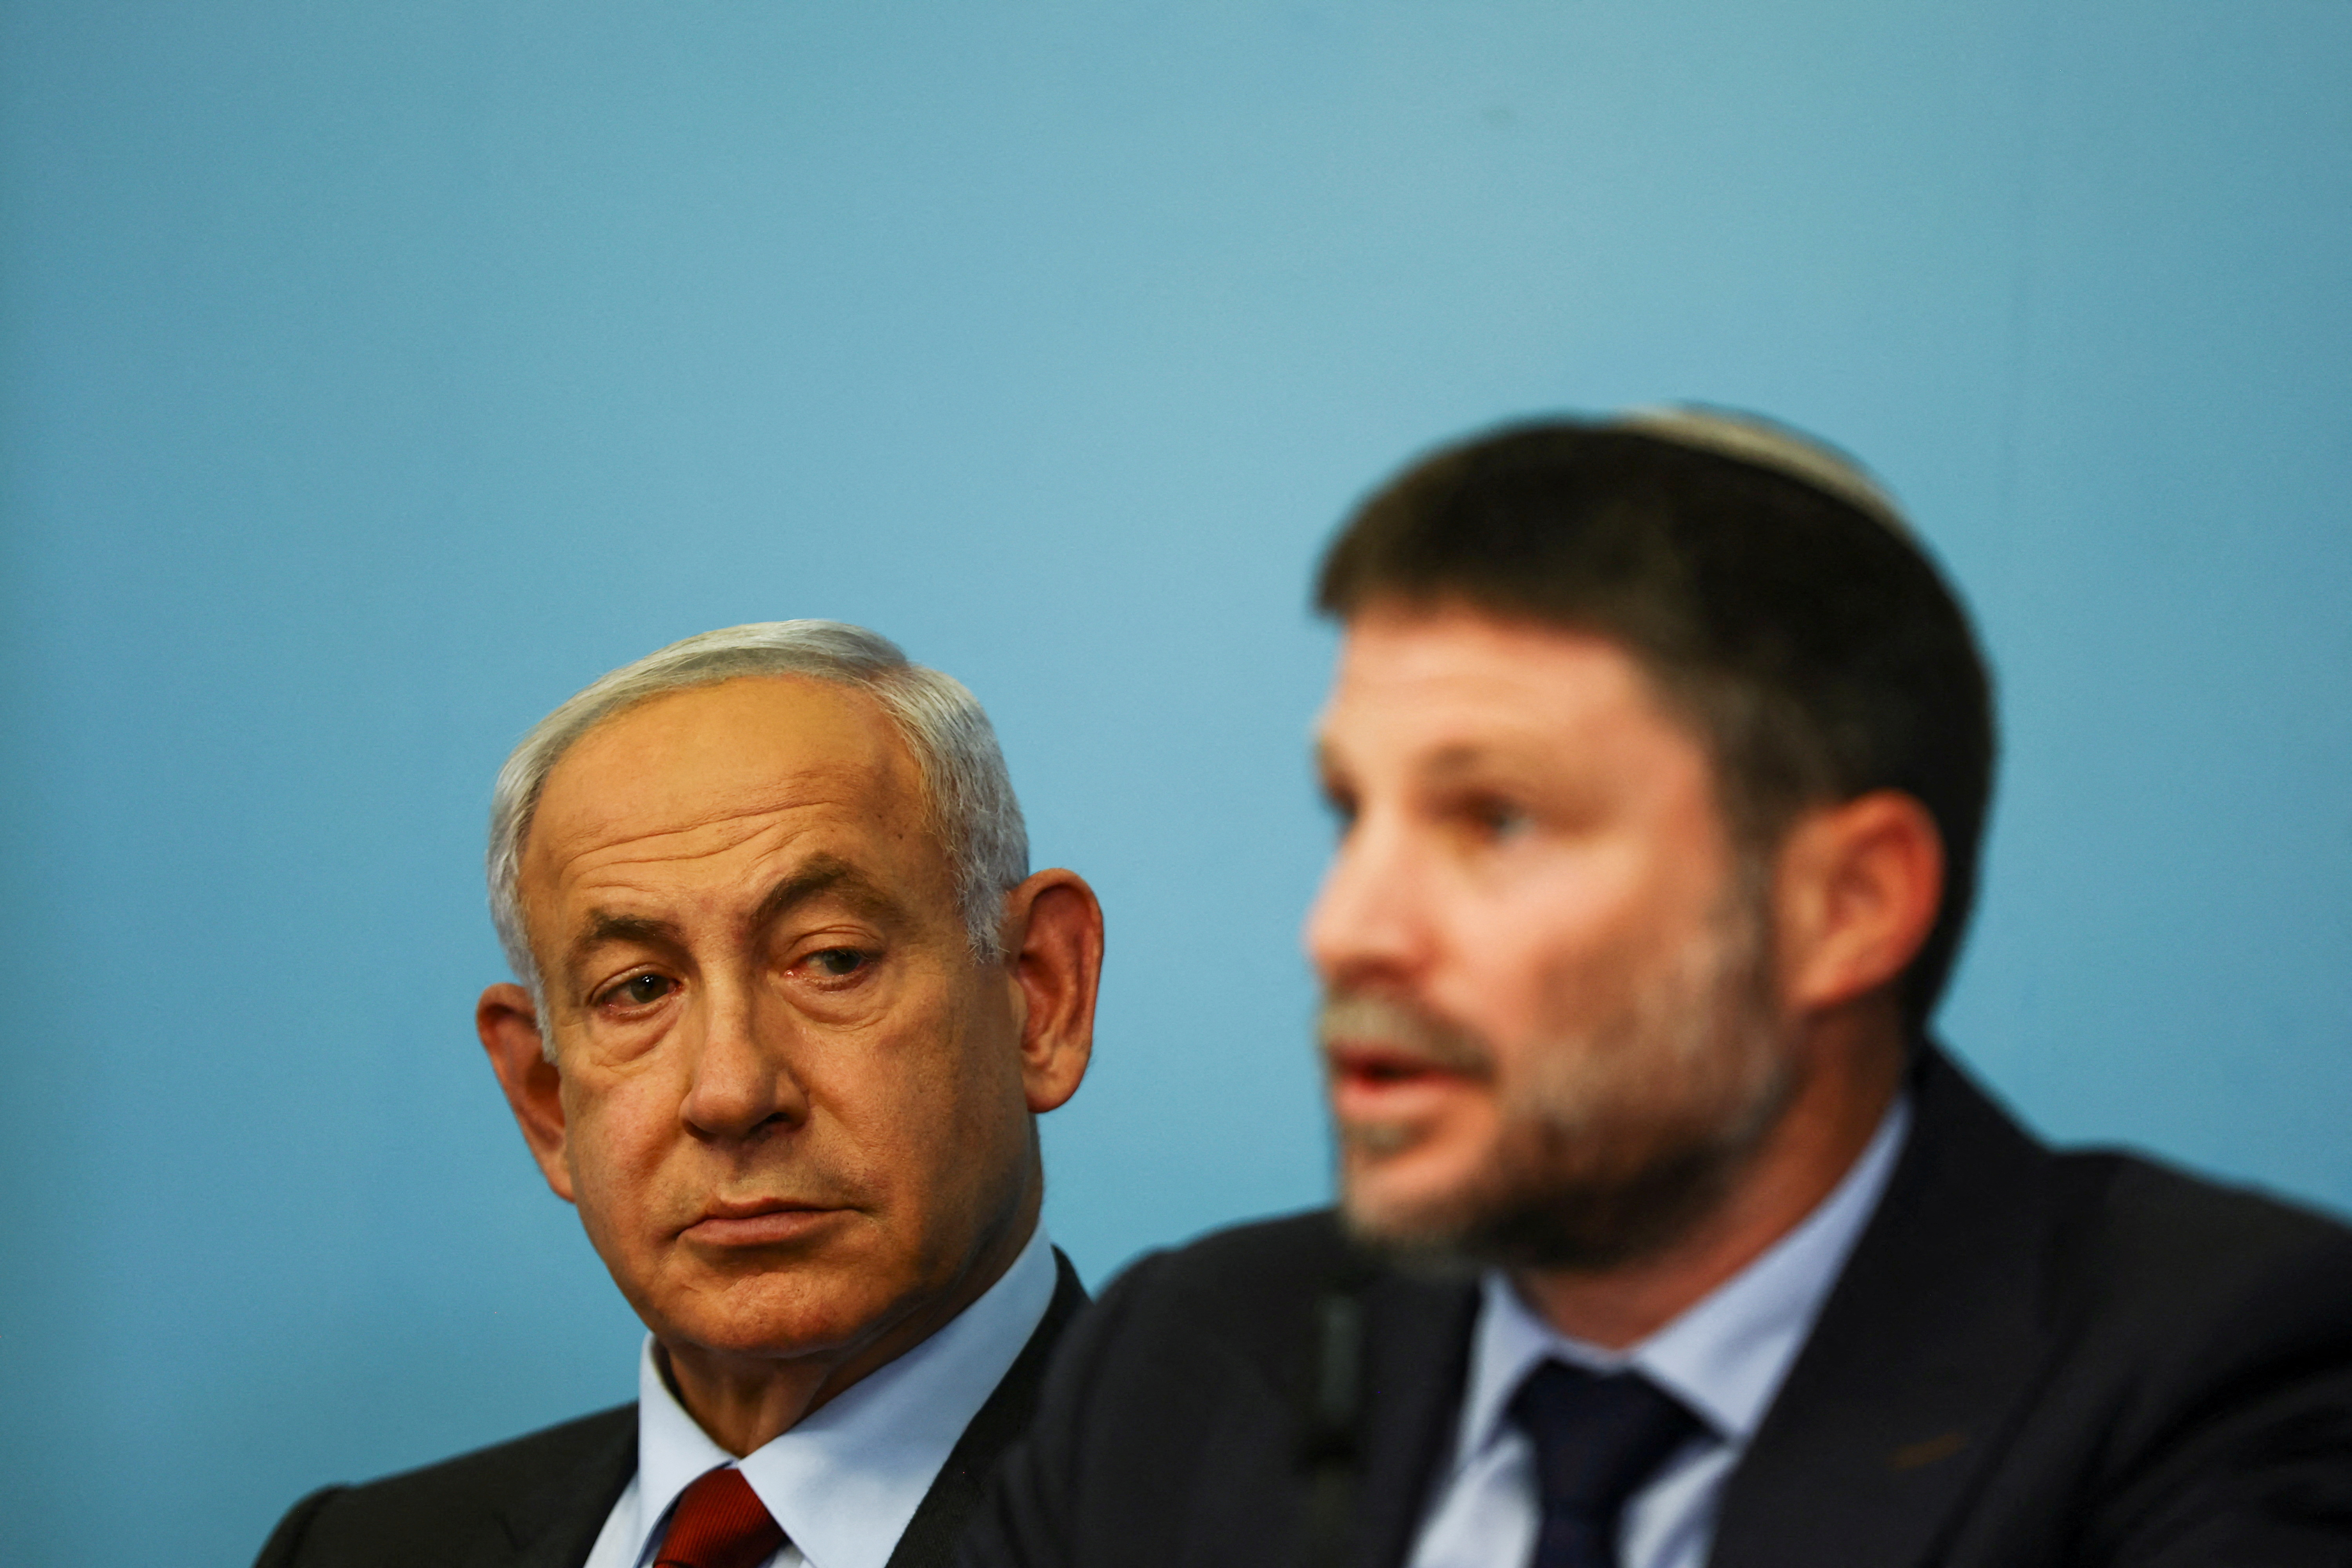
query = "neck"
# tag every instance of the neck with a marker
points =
(746, 1401)
(1850, 1068)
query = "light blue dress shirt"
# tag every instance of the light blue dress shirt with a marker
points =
(845, 1482)
(1725, 1359)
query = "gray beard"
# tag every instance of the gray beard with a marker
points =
(1590, 1173)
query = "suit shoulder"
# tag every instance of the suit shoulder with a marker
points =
(1244, 1274)
(496, 1472)
(2192, 1258)
(1243, 1291)
(2169, 1218)
(408, 1516)
(1292, 1254)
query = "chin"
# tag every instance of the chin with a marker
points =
(1576, 1220)
(1417, 1240)
(1396, 1209)
(779, 1315)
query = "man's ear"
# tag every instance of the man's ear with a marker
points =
(1856, 889)
(508, 1025)
(1054, 930)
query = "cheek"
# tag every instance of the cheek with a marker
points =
(924, 1098)
(958, 1101)
(1556, 960)
(962, 1121)
(1525, 965)
(614, 1147)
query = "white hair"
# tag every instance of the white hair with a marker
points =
(967, 802)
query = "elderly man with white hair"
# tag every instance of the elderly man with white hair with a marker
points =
(788, 1002)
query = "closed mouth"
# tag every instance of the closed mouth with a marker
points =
(757, 1222)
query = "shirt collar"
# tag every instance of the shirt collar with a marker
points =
(845, 1482)
(1724, 1357)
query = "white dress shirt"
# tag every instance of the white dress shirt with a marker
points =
(844, 1482)
(1725, 1359)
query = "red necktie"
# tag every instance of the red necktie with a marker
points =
(719, 1522)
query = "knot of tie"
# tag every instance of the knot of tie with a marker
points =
(1596, 1440)
(719, 1522)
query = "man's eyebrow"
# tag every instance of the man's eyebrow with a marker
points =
(604, 926)
(824, 876)
(1448, 762)
(1456, 757)
(819, 875)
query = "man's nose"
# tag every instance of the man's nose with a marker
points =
(1370, 920)
(742, 1078)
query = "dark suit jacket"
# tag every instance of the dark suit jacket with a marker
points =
(2030, 1359)
(539, 1502)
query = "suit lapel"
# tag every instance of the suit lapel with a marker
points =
(1937, 1328)
(930, 1536)
(555, 1523)
(1418, 1356)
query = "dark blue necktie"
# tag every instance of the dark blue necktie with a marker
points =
(1597, 1441)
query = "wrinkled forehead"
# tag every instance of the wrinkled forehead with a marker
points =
(682, 766)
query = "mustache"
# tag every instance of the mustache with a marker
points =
(1363, 1021)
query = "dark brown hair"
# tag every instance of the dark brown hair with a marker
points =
(1814, 648)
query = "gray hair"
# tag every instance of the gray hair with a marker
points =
(968, 797)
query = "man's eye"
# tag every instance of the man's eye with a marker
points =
(835, 962)
(1500, 819)
(641, 990)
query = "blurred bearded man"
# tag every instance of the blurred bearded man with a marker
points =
(788, 1003)
(1661, 754)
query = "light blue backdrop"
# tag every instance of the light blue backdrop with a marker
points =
(371, 376)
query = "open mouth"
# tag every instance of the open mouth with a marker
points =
(1385, 1083)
